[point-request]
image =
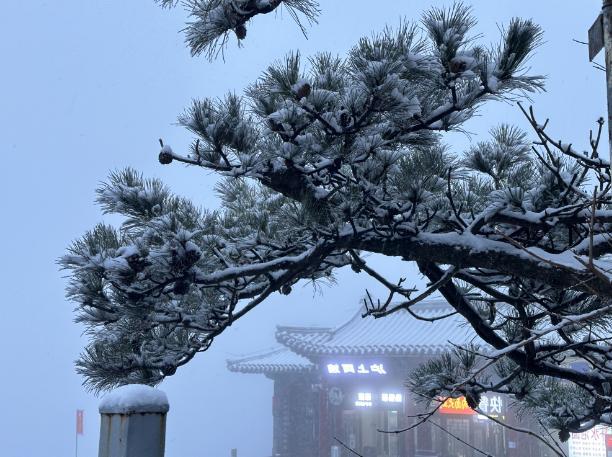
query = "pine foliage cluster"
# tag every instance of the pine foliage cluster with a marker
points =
(213, 22)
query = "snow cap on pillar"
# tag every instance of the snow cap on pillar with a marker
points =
(134, 398)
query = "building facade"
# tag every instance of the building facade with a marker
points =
(344, 387)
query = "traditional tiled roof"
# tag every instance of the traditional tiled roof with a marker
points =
(280, 360)
(396, 334)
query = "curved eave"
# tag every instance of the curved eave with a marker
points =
(269, 369)
(310, 350)
(279, 360)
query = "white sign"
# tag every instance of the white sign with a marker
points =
(588, 444)
(491, 405)
(364, 399)
(391, 398)
(359, 369)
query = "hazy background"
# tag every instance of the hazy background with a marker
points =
(89, 86)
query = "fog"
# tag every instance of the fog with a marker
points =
(89, 86)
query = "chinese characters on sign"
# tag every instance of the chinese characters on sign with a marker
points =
(364, 399)
(352, 368)
(391, 398)
(455, 406)
(491, 405)
(591, 443)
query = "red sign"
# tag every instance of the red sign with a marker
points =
(79, 421)
(456, 406)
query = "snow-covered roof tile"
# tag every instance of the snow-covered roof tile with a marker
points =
(280, 360)
(396, 334)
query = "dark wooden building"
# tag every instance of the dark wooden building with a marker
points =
(338, 387)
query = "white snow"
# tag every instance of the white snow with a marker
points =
(493, 83)
(134, 398)
(298, 86)
(128, 251)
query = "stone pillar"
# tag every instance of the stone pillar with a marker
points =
(133, 422)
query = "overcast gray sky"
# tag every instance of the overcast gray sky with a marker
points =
(89, 86)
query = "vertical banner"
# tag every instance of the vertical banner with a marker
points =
(79, 421)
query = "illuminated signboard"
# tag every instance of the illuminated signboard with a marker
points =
(391, 398)
(364, 399)
(491, 405)
(356, 369)
(591, 443)
(455, 406)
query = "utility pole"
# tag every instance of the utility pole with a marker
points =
(78, 431)
(600, 37)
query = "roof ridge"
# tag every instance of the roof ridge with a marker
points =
(403, 334)
(303, 329)
(275, 360)
(258, 355)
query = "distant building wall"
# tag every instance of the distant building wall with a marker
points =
(294, 415)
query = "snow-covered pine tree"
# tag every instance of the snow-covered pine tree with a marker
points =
(326, 161)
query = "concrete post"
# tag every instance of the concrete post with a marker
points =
(133, 422)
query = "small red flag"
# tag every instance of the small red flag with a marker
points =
(79, 421)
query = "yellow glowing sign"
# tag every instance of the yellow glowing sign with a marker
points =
(455, 406)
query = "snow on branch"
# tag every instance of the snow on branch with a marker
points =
(212, 22)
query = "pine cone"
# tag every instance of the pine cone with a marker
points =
(457, 66)
(345, 119)
(134, 295)
(181, 287)
(564, 435)
(191, 257)
(285, 289)
(275, 126)
(240, 31)
(473, 399)
(165, 158)
(136, 263)
(168, 370)
(302, 91)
